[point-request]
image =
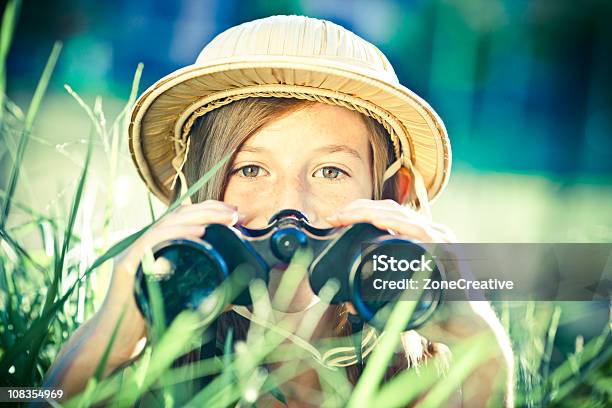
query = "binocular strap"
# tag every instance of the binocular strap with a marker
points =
(332, 358)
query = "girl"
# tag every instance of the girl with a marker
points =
(316, 121)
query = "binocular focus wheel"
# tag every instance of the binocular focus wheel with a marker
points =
(286, 242)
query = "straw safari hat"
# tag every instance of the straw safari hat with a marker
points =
(293, 57)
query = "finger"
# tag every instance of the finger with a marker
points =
(369, 214)
(383, 205)
(412, 227)
(131, 259)
(203, 217)
(407, 229)
(165, 233)
(449, 235)
(445, 230)
(393, 222)
(212, 204)
(373, 204)
(423, 232)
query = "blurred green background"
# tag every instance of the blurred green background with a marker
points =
(524, 88)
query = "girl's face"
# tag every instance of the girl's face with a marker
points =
(315, 160)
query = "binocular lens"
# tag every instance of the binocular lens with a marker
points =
(187, 273)
(393, 271)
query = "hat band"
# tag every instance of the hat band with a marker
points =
(418, 182)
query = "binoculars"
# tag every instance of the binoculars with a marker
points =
(352, 255)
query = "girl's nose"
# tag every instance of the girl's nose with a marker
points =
(294, 194)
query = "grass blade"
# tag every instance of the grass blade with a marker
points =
(375, 368)
(39, 327)
(41, 88)
(90, 389)
(35, 346)
(151, 210)
(9, 20)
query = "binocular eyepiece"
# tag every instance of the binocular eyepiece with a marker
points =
(189, 270)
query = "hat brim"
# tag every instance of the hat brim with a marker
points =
(158, 115)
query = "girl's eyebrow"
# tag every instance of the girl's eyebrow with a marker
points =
(252, 149)
(339, 148)
(332, 148)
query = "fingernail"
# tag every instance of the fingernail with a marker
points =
(237, 217)
(332, 218)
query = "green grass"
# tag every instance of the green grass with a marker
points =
(47, 290)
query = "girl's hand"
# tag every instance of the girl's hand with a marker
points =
(397, 219)
(79, 357)
(460, 320)
(188, 221)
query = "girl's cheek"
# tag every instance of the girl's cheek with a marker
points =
(246, 191)
(329, 200)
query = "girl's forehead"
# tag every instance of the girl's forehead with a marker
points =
(314, 127)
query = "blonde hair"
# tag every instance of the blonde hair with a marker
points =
(225, 129)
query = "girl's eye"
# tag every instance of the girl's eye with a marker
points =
(330, 172)
(250, 170)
